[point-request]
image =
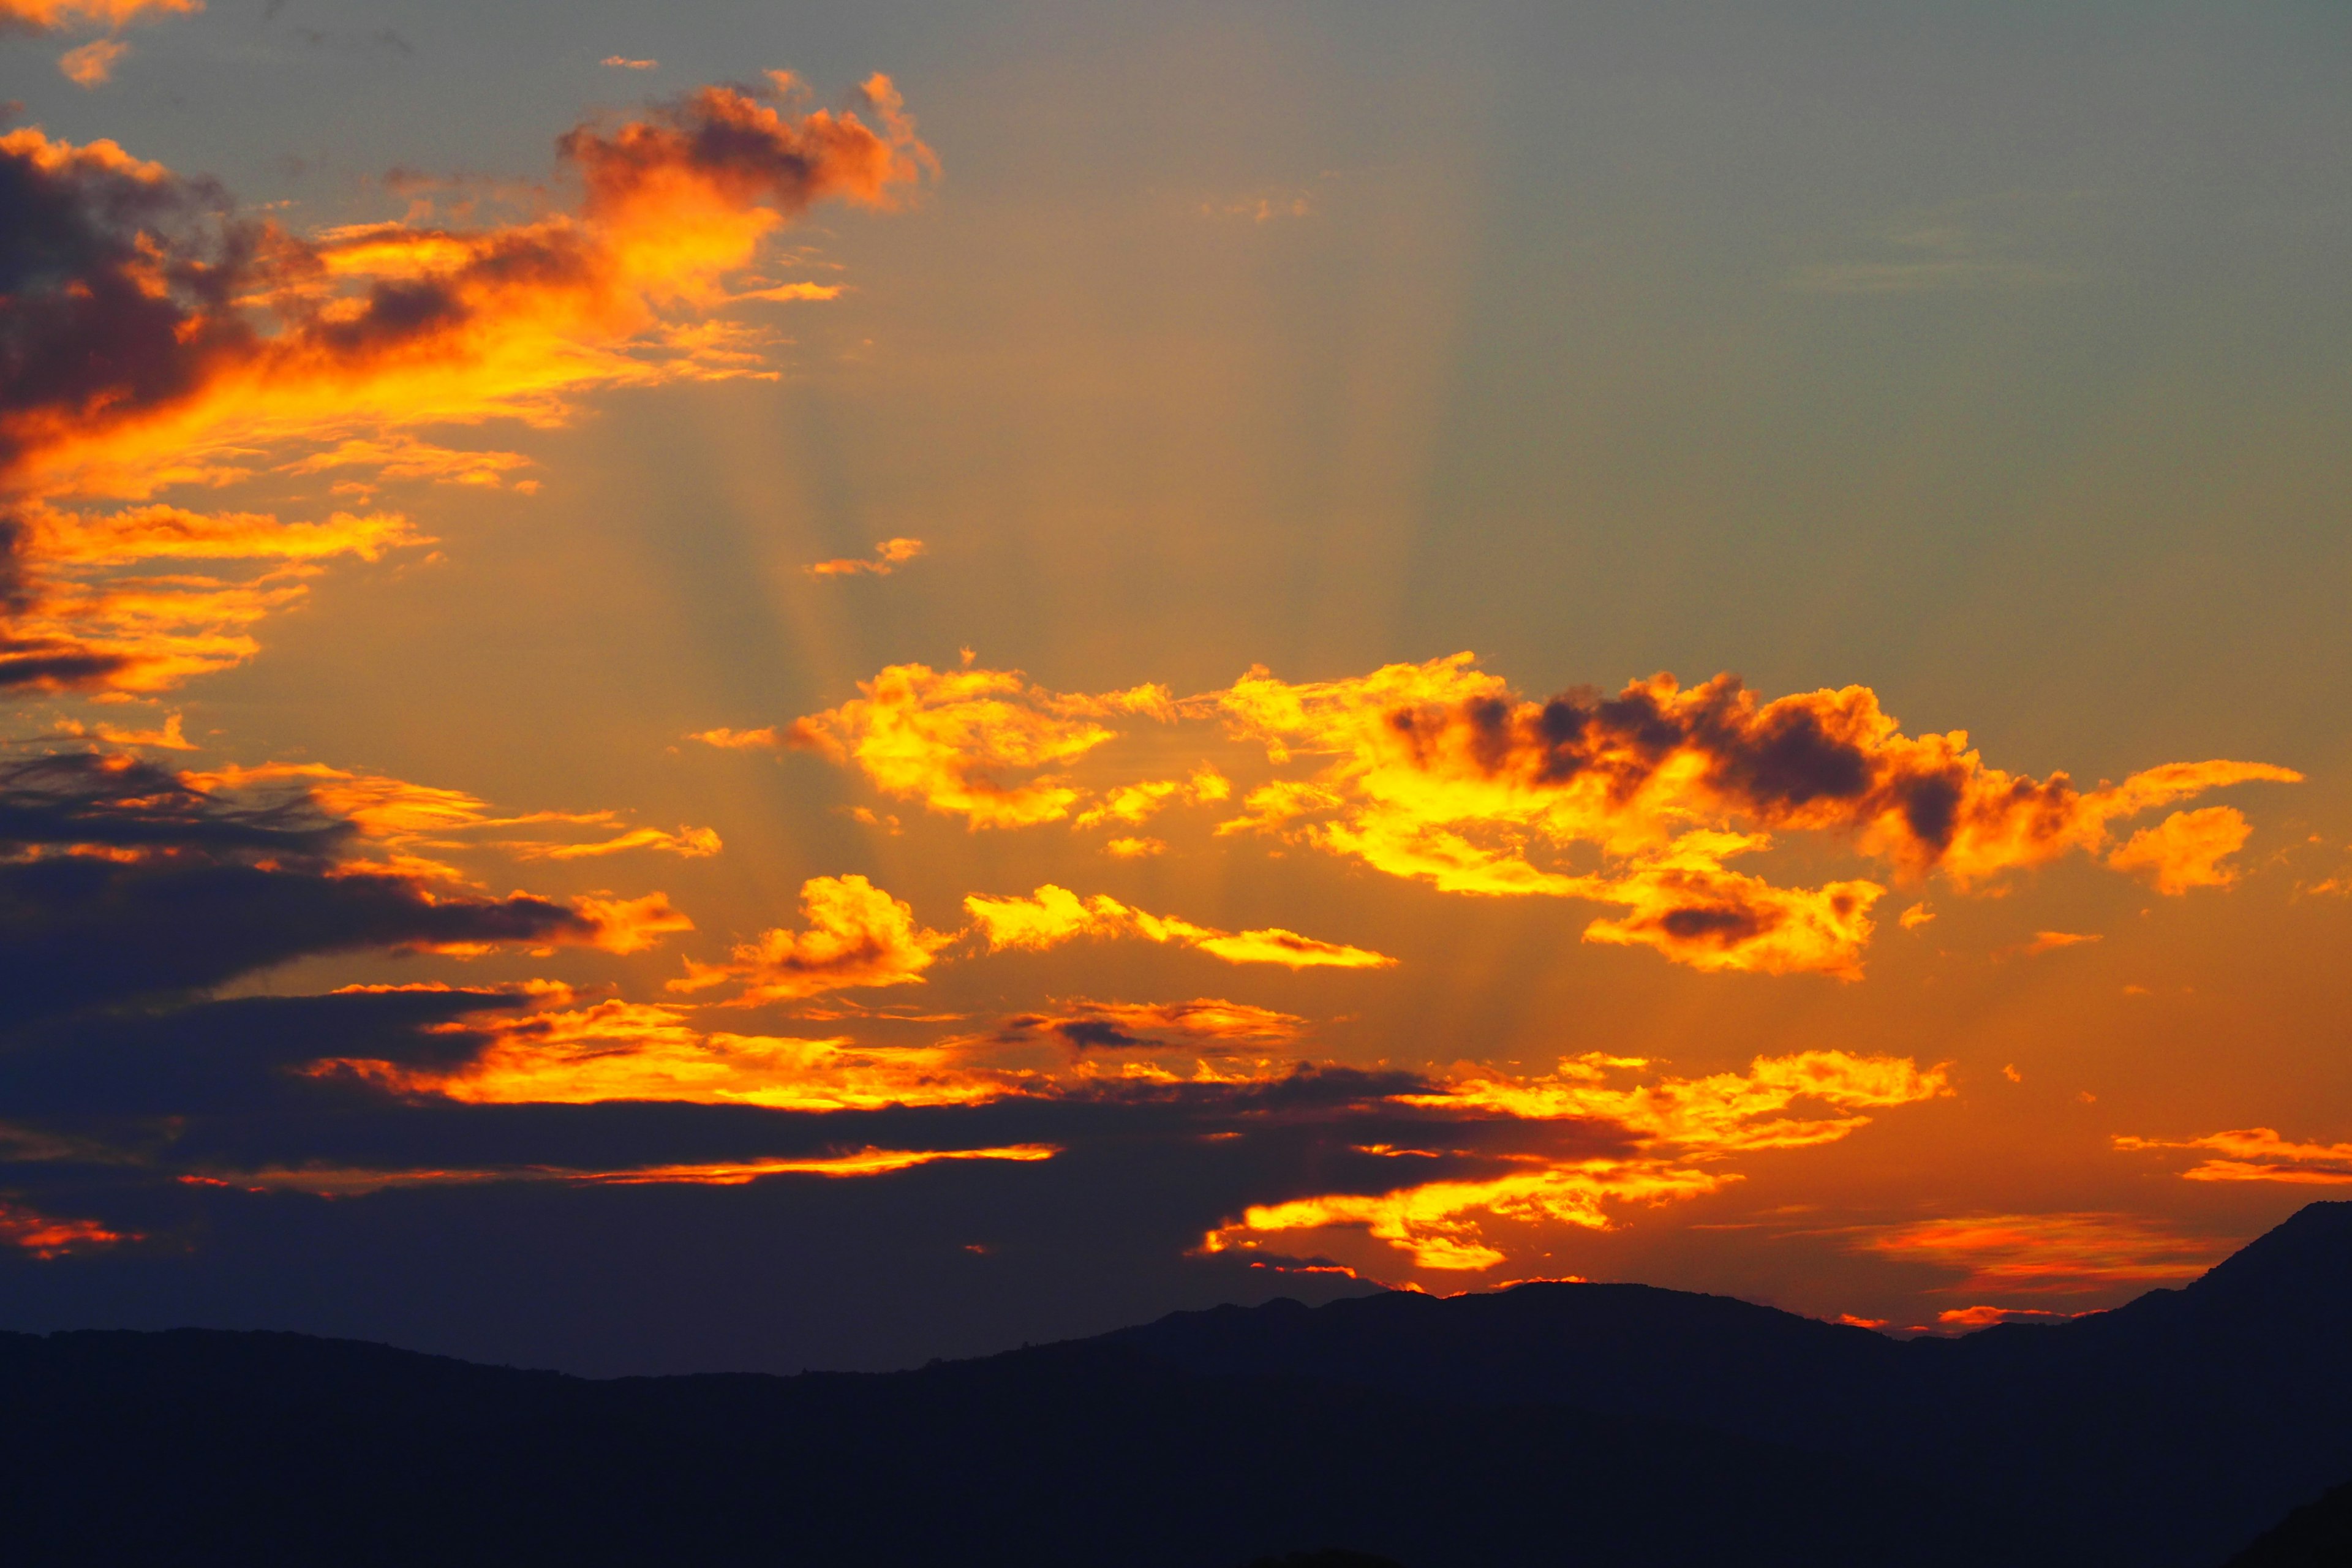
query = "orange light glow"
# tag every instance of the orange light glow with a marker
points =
(1053, 915)
(1678, 1124)
(358, 1183)
(45, 1237)
(2257, 1154)
(633, 1050)
(344, 343)
(2052, 1253)
(857, 935)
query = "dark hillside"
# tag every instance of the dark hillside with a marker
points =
(263, 1449)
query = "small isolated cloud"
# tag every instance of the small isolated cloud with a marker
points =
(2046, 942)
(857, 935)
(789, 293)
(92, 64)
(1262, 209)
(1921, 277)
(1986, 1317)
(623, 62)
(2186, 849)
(1915, 917)
(888, 555)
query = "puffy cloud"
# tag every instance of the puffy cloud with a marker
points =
(857, 935)
(2186, 849)
(1675, 1127)
(1053, 915)
(1424, 752)
(45, 1237)
(947, 737)
(1687, 906)
(2056, 1253)
(2257, 1154)
(151, 337)
(1204, 1021)
(1439, 773)
(92, 64)
(891, 553)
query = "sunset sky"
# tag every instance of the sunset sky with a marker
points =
(765, 686)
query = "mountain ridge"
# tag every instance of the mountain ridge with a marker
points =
(1589, 1425)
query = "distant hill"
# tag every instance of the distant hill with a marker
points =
(2165, 1434)
(1587, 1426)
(2317, 1535)
(264, 1449)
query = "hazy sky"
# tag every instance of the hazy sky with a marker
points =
(872, 661)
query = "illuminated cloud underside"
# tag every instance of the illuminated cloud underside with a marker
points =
(1677, 1124)
(2257, 1154)
(1438, 772)
(223, 341)
(2052, 1253)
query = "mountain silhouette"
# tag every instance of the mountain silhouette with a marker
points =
(2317, 1535)
(2167, 1432)
(1585, 1425)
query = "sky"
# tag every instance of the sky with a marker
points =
(764, 687)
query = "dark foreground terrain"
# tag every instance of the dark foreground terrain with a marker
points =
(1589, 1424)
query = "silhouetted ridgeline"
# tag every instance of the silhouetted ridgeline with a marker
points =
(2318, 1535)
(1569, 1424)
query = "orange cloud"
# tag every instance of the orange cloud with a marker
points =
(183, 343)
(690, 843)
(857, 935)
(1051, 915)
(45, 1237)
(49, 15)
(621, 62)
(1423, 755)
(410, 818)
(2047, 941)
(2257, 1154)
(92, 64)
(891, 553)
(1676, 1125)
(1439, 773)
(170, 738)
(944, 737)
(870, 1162)
(1136, 803)
(1986, 1317)
(1430, 1221)
(1204, 1020)
(2059, 1253)
(2186, 849)
(630, 1050)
